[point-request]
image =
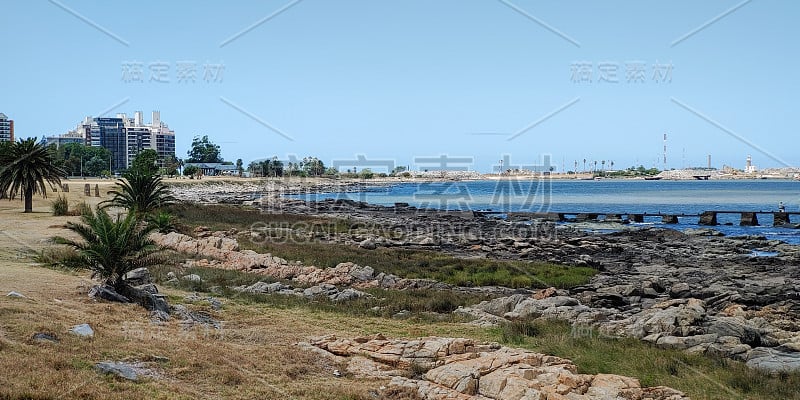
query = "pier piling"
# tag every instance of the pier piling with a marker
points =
(749, 219)
(708, 218)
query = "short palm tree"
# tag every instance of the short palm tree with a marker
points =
(25, 166)
(140, 193)
(112, 247)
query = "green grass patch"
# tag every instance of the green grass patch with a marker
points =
(430, 265)
(292, 237)
(419, 304)
(701, 377)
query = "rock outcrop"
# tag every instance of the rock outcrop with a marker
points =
(439, 368)
(224, 253)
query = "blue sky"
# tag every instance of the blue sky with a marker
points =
(395, 80)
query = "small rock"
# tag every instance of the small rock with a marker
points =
(214, 303)
(402, 314)
(192, 278)
(368, 244)
(45, 337)
(16, 294)
(158, 316)
(83, 330)
(119, 369)
(348, 294)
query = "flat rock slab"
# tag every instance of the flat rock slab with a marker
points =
(130, 371)
(82, 330)
(459, 368)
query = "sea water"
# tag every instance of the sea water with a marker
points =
(602, 197)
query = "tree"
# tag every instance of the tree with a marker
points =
(112, 247)
(312, 166)
(239, 168)
(398, 170)
(191, 170)
(95, 166)
(277, 167)
(366, 173)
(72, 155)
(140, 193)
(203, 151)
(24, 168)
(145, 162)
(331, 171)
(171, 165)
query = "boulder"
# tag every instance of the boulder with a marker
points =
(673, 317)
(368, 244)
(82, 330)
(121, 370)
(107, 292)
(682, 343)
(348, 294)
(773, 359)
(138, 276)
(321, 290)
(462, 369)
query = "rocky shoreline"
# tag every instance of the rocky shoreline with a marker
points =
(436, 368)
(693, 291)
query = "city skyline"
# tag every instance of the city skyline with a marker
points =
(124, 137)
(400, 81)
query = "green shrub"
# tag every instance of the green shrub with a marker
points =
(164, 222)
(60, 206)
(59, 257)
(81, 209)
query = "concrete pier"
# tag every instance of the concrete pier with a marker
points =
(586, 217)
(780, 218)
(708, 218)
(636, 217)
(669, 219)
(749, 219)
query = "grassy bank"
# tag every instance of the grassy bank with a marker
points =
(432, 305)
(298, 244)
(701, 377)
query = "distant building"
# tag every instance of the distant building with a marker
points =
(124, 137)
(60, 140)
(749, 168)
(214, 169)
(6, 129)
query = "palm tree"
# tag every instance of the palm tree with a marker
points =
(603, 163)
(24, 168)
(139, 192)
(112, 247)
(584, 165)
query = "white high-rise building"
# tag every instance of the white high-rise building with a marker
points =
(6, 129)
(137, 137)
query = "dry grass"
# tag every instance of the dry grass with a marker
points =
(254, 354)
